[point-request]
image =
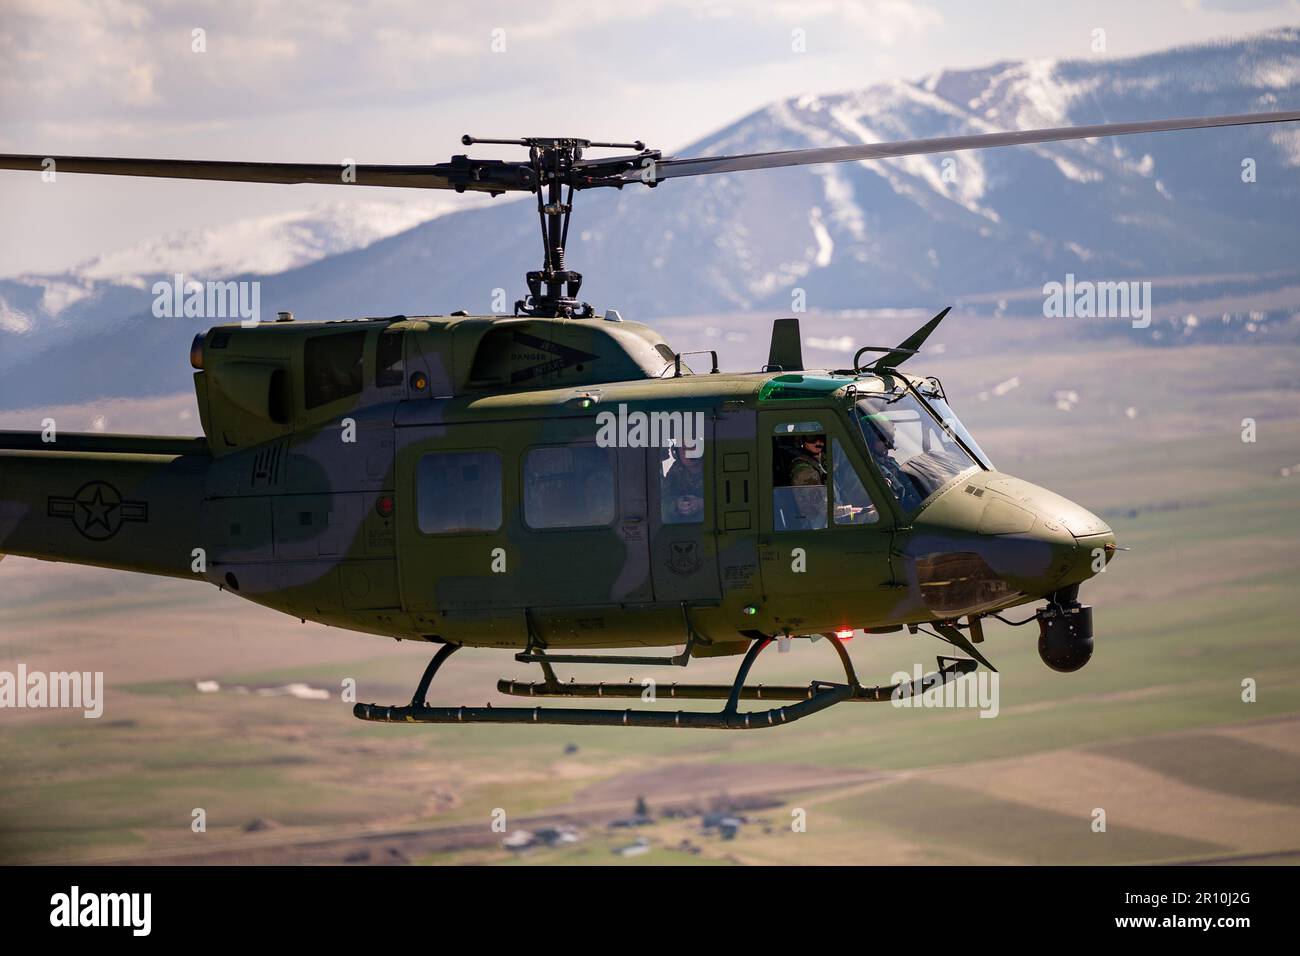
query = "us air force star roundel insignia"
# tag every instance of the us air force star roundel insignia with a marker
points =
(97, 510)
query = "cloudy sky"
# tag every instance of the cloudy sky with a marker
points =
(400, 80)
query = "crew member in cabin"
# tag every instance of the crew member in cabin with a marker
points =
(806, 480)
(681, 492)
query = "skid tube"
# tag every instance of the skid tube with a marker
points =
(950, 668)
(817, 697)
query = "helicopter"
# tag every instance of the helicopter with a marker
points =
(560, 481)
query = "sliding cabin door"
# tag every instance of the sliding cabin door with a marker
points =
(514, 528)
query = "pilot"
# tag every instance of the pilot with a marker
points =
(879, 433)
(806, 476)
(808, 466)
(681, 493)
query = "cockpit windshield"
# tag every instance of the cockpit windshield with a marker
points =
(913, 451)
(932, 392)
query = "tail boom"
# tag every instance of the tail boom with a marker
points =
(104, 500)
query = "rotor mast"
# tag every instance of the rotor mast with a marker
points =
(553, 289)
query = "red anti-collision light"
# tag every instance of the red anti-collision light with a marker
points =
(384, 506)
(844, 633)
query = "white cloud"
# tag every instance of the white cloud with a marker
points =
(79, 58)
(884, 21)
(51, 50)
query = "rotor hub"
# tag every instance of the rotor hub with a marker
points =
(558, 170)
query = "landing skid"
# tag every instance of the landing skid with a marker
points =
(954, 668)
(812, 699)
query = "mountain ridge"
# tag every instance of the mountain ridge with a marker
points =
(915, 231)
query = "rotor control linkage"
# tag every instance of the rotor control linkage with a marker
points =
(555, 169)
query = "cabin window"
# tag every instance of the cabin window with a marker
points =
(389, 367)
(332, 367)
(569, 486)
(681, 486)
(459, 491)
(799, 476)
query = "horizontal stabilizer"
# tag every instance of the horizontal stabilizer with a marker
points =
(100, 443)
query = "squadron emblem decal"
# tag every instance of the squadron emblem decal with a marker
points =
(97, 510)
(544, 357)
(684, 558)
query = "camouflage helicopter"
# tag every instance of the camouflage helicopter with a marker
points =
(561, 481)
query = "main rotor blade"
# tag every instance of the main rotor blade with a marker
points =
(474, 175)
(707, 165)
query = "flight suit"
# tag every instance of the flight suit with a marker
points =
(681, 495)
(808, 478)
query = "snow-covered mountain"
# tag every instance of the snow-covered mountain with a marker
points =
(267, 244)
(918, 231)
(263, 245)
(38, 312)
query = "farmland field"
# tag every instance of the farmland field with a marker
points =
(1154, 731)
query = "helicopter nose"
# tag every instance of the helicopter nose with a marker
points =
(1088, 557)
(1068, 543)
(995, 537)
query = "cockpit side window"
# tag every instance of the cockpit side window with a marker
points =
(914, 453)
(852, 503)
(799, 476)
